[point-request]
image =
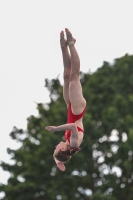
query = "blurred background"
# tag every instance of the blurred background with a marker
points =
(30, 53)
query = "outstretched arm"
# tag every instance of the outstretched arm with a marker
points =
(74, 132)
(63, 127)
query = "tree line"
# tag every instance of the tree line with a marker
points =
(103, 170)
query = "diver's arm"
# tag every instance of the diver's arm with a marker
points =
(60, 165)
(74, 139)
(63, 127)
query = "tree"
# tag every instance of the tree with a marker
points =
(107, 142)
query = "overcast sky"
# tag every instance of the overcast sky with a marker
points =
(30, 50)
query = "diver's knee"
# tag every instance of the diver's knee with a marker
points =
(74, 76)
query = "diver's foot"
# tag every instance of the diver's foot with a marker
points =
(70, 40)
(63, 41)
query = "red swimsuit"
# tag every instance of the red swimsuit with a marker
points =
(72, 119)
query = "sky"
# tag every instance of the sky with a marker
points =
(30, 51)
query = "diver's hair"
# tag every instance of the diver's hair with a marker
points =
(63, 156)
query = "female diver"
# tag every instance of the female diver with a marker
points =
(76, 104)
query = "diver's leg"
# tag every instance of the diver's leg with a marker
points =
(75, 89)
(67, 66)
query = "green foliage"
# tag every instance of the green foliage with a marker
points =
(34, 175)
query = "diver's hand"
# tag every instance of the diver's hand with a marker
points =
(61, 166)
(51, 128)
